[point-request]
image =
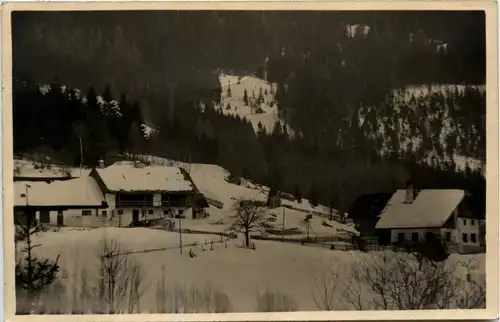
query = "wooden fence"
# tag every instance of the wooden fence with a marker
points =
(336, 243)
(176, 247)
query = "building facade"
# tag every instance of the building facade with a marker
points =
(415, 216)
(137, 194)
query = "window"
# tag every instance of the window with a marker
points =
(464, 238)
(414, 237)
(86, 212)
(429, 236)
(465, 222)
(448, 236)
(473, 238)
(151, 212)
(120, 212)
(472, 223)
(401, 237)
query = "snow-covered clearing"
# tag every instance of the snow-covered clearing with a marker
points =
(240, 273)
(35, 169)
(235, 104)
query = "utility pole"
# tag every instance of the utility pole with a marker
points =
(81, 148)
(28, 212)
(180, 233)
(26, 186)
(283, 229)
(145, 212)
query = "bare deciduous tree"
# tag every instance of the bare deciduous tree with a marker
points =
(248, 217)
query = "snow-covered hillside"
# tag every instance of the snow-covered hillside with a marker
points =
(410, 121)
(233, 100)
(211, 180)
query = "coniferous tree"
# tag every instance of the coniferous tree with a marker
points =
(297, 193)
(260, 99)
(245, 97)
(33, 274)
(313, 197)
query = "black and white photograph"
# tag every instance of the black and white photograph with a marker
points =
(182, 161)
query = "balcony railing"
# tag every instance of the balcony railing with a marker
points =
(149, 203)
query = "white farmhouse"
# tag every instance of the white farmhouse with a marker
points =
(137, 193)
(412, 216)
(49, 201)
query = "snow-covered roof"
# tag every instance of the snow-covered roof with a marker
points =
(210, 195)
(122, 176)
(431, 208)
(69, 193)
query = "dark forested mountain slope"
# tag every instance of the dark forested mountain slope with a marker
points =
(183, 49)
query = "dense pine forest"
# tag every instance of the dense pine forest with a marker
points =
(342, 80)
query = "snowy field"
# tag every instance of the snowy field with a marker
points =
(241, 274)
(293, 274)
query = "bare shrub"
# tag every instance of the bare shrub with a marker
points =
(272, 301)
(181, 299)
(401, 281)
(325, 289)
(469, 293)
(122, 281)
(161, 294)
(17, 171)
(138, 285)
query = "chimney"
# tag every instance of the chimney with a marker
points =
(100, 164)
(410, 192)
